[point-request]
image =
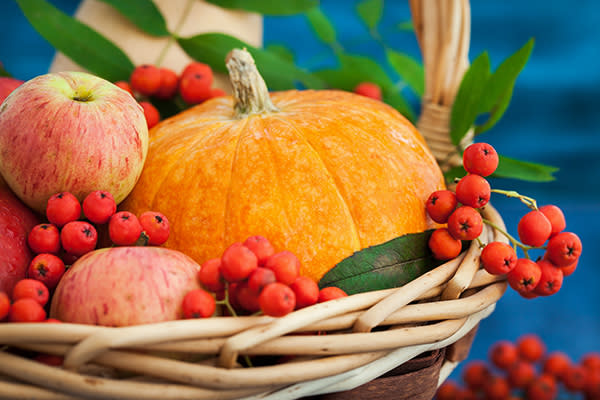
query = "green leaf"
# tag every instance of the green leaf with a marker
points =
(524, 170)
(410, 70)
(406, 26)
(453, 173)
(143, 13)
(496, 113)
(503, 79)
(4, 72)
(77, 41)
(393, 97)
(321, 25)
(268, 7)
(388, 265)
(466, 103)
(278, 73)
(281, 51)
(370, 11)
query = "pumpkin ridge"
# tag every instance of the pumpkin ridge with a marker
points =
(320, 158)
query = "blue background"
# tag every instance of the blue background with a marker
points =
(553, 119)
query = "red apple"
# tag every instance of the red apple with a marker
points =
(123, 286)
(16, 220)
(71, 131)
(7, 85)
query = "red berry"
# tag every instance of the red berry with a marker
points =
(99, 206)
(306, 291)
(169, 82)
(62, 208)
(261, 247)
(591, 361)
(556, 218)
(496, 388)
(440, 205)
(247, 298)
(475, 374)
(49, 359)
(53, 321)
(556, 364)
(531, 347)
(465, 223)
(26, 310)
(330, 293)
(32, 289)
(480, 159)
(4, 305)
(498, 258)
(259, 278)
(78, 237)
(238, 262)
(156, 226)
(125, 86)
(574, 378)
(504, 354)
(368, 89)
(525, 276)
(145, 79)
(46, 268)
(564, 249)
(521, 374)
(44, 238)
(473, 190)
(443, 245)
(216, 92)
(542, 388)
(285, 265)
(151, 113)
(551, 279)
(124, 228)
(210, 275)
(277, 300)
(534, 228)
(198, 303)
(447, 391)
(569, 269)
(195, 83)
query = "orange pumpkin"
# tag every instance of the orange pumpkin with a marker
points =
(320, 173)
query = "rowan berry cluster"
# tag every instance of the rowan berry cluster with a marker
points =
(541, 228)
(193, 85)
(525, 370)
(252, 277)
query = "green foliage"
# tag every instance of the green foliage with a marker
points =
(268, 7)
(4, 72)
(370, 11)
(321, 25)
(524, 170)
(387, 265)
(408, 69)
(144, 14)
(77, 41)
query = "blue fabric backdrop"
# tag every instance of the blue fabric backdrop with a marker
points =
(553, 119)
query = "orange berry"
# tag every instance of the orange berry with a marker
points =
(564, 249)
(259, 278)
(125, 86)
(368, 89)
(447, 390)
(330, 293)
(556, 363)
(569, 269)
(285, 265)
(145, 79)
(247, 297)
(551, 279)
(306, 291)
(465, 223)
(480, 159)
(277, 300)
(261, 247)
(26, 310)
(574, 378)
(503, 354)
(542, 388)
(521, 374)
(216, 92)
(531, 347)
(31, 289)
(151, 113)
(440, 205)
(498, 258)
(210, 275)
(196, 67)
(525, 276)
(169, 82)
(556, 218)
(198, 303)
(475, 374)
(590, 360)
(473, 190)
(443, 245)
(496, 388)
(4, 305)
(534, 228)
(238, 262)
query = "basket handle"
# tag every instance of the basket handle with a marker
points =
(443, 29)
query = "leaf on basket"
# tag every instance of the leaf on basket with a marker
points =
(387, 265)
(77, 41)
(268, 7)
(143, 13)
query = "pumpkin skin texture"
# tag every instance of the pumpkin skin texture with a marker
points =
(328, 174)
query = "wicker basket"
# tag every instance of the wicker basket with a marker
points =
(386, 334)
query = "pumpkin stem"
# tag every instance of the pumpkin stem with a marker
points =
(249, 89)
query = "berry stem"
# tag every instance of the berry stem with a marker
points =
(516, 243)
(528, 201)
(225, 302)
(171, 40)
